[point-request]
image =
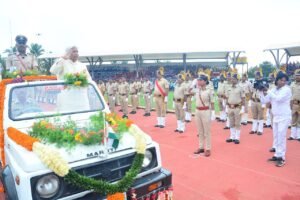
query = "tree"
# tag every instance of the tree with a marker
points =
(10, 50)
(45, 65)
(36, 49)
(2, 65)
(266, 66)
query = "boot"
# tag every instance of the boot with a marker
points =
(158, 122)
(163, 122)
(254, 126)
(237, 136)
(178, 126)
(260, 127)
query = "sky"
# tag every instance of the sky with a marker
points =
(148, 26)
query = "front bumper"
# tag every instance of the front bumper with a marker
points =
(140, 188)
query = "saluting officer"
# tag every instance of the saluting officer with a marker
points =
(21, 60)
(235, 102)
(257, 108)
(161, 89)
(147, 89)
(111, 92)
(180, 102)
(204, 107)
(133, 89)
(221, 96)
(295, 129)
(123, 92)
(269, 116)
(188, 96)
(247, 89)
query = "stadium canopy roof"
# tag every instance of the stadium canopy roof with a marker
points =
(289, 50)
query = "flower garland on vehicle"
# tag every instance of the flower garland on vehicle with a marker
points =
(52, 159)
(19, 73)
(76, 79)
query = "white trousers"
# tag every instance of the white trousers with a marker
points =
(279, 134)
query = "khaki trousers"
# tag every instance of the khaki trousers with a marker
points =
(246, 106)
(160, 106)
(234, 118)
(117, 98)
(124, 104)
(112, 103)
(134, 101)
(189, 104)
(295, 115)
(203, 121)
(257, 111)
(147, 98)
(179, 111)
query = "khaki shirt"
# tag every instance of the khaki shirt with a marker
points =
(206, 96)
(102, 87)
(295, 91)
(116, 87)
(221, 89)
(179, 91)
(110, 88)
(123, 88)
(247, 89)
(138, 85)
(256, 94)
(235, 95)
(164, 84)
(187, 86)
(133, 88)
(147, 87)
(25, 62)
(227, 86)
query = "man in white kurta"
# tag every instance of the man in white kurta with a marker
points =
(280, 98)
(72, 98)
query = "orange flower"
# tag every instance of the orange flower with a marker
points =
(71, 131)
(20, 138)
(128, 123)
(43, 123)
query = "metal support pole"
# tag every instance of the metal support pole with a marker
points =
(184, 61)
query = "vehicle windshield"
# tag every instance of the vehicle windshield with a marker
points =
(34, 101)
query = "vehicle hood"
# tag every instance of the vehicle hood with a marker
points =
(30, 162)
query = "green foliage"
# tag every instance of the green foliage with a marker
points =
(36, 49)
(77, 79)
(104, 187)
(266, 66)
(16, 73)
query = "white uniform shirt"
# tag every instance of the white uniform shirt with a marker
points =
(66, 66)
(280, 100)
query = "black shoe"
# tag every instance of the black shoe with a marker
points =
(236, 141)
(148, 114)
(229, 140)
(125, 116)
(157, 125)
(299, 139)
(161, 126)
(176, 130)
(252, 132)
(259, 133)
(244, 123)
(226, 127)
(291, 138)
(272, 150)
(180, 131)
(280, 162)
(273, 159)
(120, 110)
(198, 151)
(132, 112)
(145, 115)
(266, 126)
(187, 121)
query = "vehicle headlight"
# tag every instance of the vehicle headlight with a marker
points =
(147, 159)
(48, 186)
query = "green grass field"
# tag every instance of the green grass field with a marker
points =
(170, 102)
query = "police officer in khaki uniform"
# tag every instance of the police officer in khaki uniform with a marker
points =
(161, 90)
(227, 86)
(123, 92)
(21, 60)
(111, 93)
(204, 106)
(147, 90)
(133, 89)
(102, 87)
(139, 91)
(188, 97)
(247, 89)
(116, 84)
(257, 108)
(180, 102)
(295, 129)
(235, 102)
(221, 95)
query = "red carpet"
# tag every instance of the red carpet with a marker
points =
(232, 171)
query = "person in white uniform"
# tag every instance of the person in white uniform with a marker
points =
(280, 98)
(79, 96)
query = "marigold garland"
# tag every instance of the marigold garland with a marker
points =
(21, 139)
